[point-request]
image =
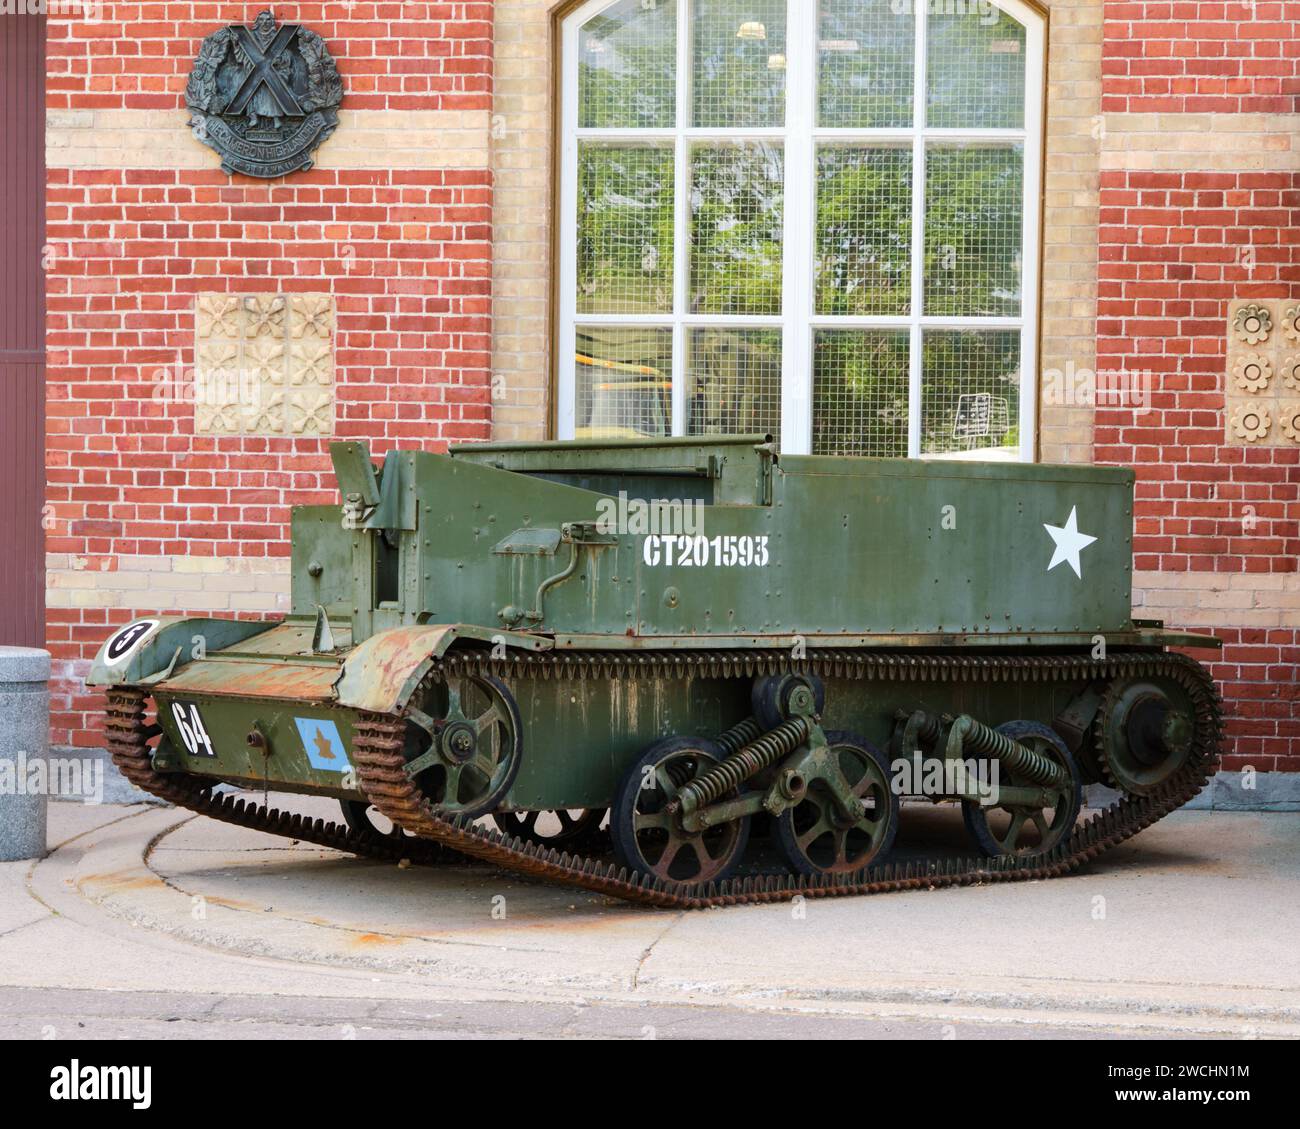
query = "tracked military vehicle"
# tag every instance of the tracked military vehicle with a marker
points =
(617, 665)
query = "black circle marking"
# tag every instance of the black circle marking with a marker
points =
(124, 642)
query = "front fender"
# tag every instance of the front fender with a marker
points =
(380, 674)
(147, 646)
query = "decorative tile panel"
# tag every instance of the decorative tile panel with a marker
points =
(1262, 406)
(264, 364)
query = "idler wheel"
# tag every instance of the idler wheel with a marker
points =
(1144, 734)
(552, 828)
(777, 697)
(1028, 831)
(817, 837)
(649, 839)
(476, 745)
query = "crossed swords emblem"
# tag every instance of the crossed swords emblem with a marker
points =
(263, 71)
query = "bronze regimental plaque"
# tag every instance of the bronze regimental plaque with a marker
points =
(264, 96)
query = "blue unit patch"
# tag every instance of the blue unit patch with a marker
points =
(323, 744)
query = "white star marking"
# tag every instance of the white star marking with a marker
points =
(1069, 542)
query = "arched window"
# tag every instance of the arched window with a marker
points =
(817, 218)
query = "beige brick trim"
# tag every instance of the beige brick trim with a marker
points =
(365, 139)
(1219, 599)
(254, 584)
(1201, 143)
(521, 213)
(1070, 216)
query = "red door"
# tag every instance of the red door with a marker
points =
(22, 329)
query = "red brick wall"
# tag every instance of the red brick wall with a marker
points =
(1174, 249)
(1190, 56)
(406, 253)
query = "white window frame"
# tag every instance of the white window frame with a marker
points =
(799, 138)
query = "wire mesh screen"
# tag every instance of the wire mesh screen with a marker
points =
(733, 381)
(975, 68)
(864, 230)
(627, 66)
(738, 71)
(736, 228)
(973, 212)
(732, 263)
(865, 57)
(860, 392)
(625, 229)
(970, 391)
(623, 382)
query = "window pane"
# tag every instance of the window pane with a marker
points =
(975, 69)
(738, 73)
(736, 215)
(733, 381)
(860, 393)
(864, 230)
(625, 229)
(973, 202)
(624, 382)
(864, 64)
(970, 391)
(627, 66)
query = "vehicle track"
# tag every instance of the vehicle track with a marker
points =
(380, 740)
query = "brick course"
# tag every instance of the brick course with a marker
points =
(136, 501)
(1200, 205)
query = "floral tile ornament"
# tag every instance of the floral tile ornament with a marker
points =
(1263, 373)
(313, 315)
(265, 360)
(264, 364)
(1251, 421)
(217, 315)
(312, 363)
(1289, 413)
(266, 417)
(216, 419)
(264, 315)
(311, 413)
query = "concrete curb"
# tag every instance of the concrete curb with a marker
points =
(209, 892)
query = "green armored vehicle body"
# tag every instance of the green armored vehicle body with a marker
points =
(607, 663)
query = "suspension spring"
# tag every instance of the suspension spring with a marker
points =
(1018, 758)
(746, 762)
(739, 735)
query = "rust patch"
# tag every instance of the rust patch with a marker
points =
(375, 940)
(378, 669)
(121, 880)
(301, 682)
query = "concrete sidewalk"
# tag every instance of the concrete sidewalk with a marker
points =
(145, 916)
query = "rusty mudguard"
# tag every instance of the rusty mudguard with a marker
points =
(259, 660)
(381, 673)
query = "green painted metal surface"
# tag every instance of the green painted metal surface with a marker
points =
(839, 547)
(640, 546)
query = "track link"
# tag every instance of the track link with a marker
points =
(380, 739)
